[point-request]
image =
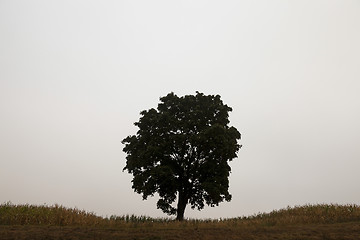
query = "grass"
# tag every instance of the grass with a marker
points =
(301, 222)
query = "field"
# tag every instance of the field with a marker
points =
(57, 222)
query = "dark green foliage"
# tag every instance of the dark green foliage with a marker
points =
(181, 151)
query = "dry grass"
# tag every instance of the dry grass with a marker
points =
(57, 222)
(45, 215)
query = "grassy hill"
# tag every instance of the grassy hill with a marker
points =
(57, 222)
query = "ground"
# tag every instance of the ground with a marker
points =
(339, 231)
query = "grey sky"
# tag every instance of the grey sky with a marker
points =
(74, 76)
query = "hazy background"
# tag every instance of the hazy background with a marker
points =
(74, 76)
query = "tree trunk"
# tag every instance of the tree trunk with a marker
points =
(182, 202)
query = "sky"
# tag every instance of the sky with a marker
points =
(74, 76)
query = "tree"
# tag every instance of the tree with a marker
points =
(181, 151)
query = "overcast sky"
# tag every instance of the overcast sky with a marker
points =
(74, 76)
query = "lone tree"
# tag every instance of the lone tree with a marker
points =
(181, 151)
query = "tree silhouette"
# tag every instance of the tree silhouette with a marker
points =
(181, 151)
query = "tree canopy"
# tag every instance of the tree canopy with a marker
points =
(182, 151)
